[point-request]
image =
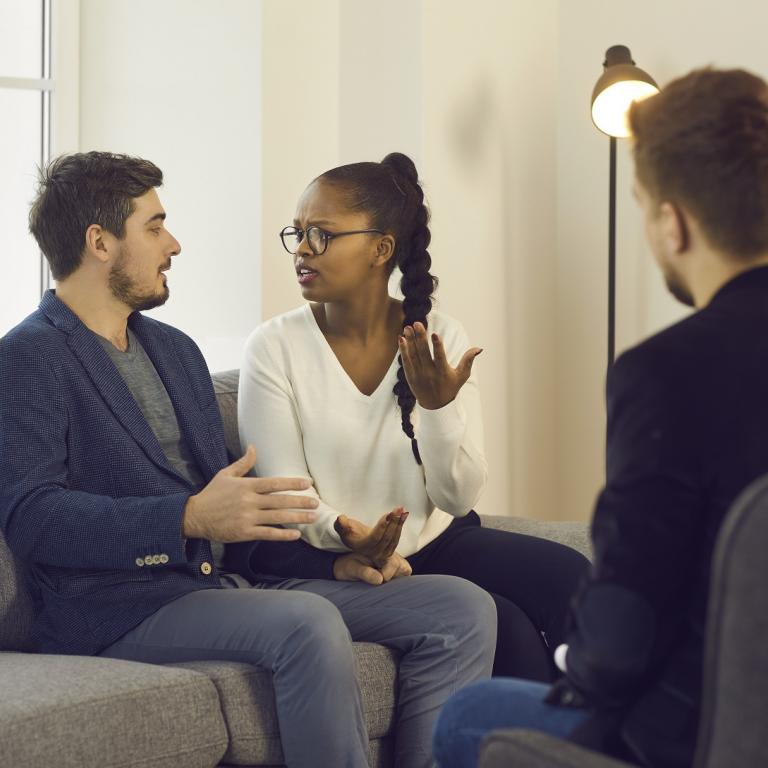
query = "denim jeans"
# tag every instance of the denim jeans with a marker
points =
(489, 705)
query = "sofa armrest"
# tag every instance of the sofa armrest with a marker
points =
(532, 749)
(570, 533)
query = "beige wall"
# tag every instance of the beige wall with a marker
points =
(489, 165)
(448, 85)
(300, 126)
(517, 178)
(667, 39)
(491, 98)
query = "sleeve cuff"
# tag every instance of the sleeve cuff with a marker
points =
(560, 657)
(166, 541)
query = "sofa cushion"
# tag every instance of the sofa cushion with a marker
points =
(15, 604)
(85, 712)
(571, 533)
(225, 386)
(248, 702)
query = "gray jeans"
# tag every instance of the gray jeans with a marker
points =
(302, 630)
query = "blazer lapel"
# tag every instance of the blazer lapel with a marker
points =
(194, 426)
(106, 378)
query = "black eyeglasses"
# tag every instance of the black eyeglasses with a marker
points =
(317, 238)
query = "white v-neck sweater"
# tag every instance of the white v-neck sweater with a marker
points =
(307, 418)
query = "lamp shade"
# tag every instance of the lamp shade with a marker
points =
(620, 84)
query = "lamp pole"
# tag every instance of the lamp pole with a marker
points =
(612, 252)
(620, 84)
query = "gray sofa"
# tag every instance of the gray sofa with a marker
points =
(83, 712)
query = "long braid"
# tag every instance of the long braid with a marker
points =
(417, 284)
(389, 192)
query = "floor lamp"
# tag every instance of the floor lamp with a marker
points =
(620, 84)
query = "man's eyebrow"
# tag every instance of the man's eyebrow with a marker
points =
(156, 217)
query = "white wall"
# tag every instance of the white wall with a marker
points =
(179, 82)
(65, 69)
(667, 39)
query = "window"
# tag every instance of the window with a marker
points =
(25, 143)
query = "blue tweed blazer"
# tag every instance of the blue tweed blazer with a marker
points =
(87, 495)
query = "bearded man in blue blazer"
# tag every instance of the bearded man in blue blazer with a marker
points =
(117, 491)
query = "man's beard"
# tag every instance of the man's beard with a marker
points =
(124, 289)
(677, 289)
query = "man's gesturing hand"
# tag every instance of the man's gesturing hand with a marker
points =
(237, 508)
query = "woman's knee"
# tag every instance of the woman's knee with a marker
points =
(573, 563)
(568, 569)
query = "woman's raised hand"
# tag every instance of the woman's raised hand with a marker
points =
(377, 543)
(432, 380)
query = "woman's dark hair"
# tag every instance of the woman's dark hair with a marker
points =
(76, 191)
(390, 194)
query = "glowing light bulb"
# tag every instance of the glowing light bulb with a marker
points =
(609, 109)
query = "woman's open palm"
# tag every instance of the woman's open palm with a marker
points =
(432, 379)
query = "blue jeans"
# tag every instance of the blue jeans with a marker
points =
(487, 706)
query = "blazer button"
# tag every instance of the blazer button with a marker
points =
(206, 569)
(148, 560)
(155, 559)
(164, 559)
(140, 561)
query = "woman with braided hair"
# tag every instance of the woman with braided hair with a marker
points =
(375, 400)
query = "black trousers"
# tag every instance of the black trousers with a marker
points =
(530, 579)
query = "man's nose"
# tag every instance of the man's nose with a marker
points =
(175, 248)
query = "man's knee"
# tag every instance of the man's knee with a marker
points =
(469, 608)
(312, 624)
(476, 605)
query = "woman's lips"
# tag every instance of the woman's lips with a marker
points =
(307, 277)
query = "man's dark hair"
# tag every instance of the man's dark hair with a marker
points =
(702, 143)
(76, 191)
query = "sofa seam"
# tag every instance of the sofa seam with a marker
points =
(111, 697)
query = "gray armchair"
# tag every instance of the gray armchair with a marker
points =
(734, 722)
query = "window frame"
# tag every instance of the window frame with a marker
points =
(58, 87)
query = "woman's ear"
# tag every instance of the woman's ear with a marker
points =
(385, 251)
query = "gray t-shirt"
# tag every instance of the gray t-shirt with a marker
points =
(150, 394)
(152, 398)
